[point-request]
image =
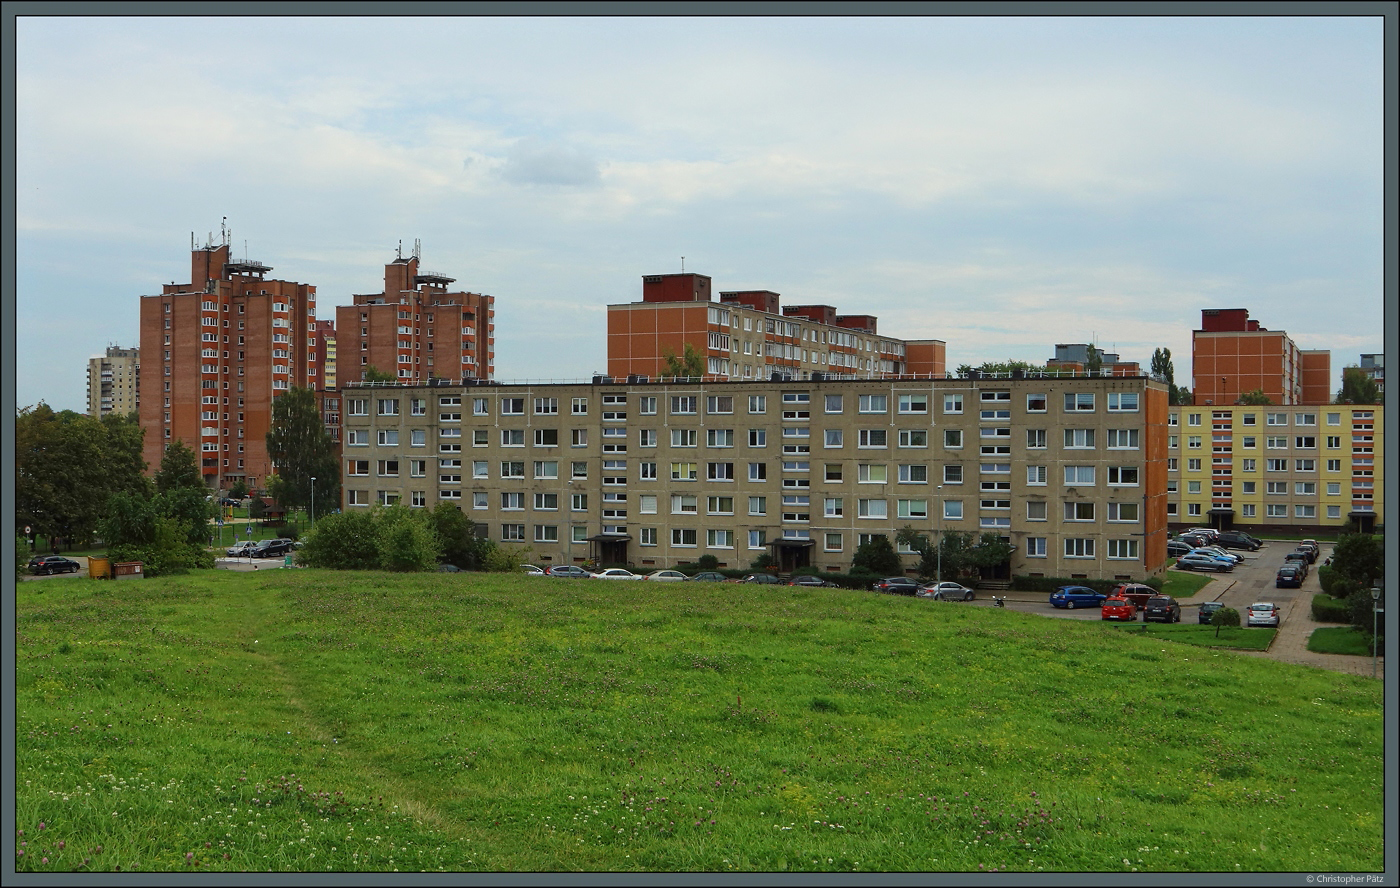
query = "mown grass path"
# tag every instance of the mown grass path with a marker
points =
(308, 720)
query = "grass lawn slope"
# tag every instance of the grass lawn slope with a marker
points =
(312, 721)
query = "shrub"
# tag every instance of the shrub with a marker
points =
(763, 562)
(1362, 617)
(406, 541)
(1226, 616)
(708, 562)
(1326, 609)
(347, 541)
(1335, 583)
(878, 557)
(507, 559)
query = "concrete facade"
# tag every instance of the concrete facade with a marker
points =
(1072, 470)
(1275, 469)
(114, 382)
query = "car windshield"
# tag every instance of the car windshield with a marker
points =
(1116, 602)
(1159, 602)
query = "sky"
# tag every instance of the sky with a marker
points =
(1002, 184)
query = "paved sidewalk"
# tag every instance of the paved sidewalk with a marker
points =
(1291, 645)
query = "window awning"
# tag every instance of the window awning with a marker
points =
(610, 538)
(789, 543)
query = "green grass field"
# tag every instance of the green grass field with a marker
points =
(1189, 631)
(1340, 640)
(1183, 584)
(319, 721)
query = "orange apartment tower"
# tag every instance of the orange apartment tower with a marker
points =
(1232, 355)
(748, 335)
(217, 351)
(415, 330)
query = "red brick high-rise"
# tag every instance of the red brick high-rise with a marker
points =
(216, 352)
(1231, 355)
(415, 330)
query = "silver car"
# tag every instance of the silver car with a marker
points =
(1201, 561)
(946, 592)
(1263, 613)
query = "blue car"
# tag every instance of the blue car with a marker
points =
(1077, 596)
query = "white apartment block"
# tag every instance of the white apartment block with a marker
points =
(113, 382)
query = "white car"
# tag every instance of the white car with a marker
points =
(667, 576)
(1223, 553)
(946, 592)
(617, 573)
(531, 570)
(241, 550)
(1263, 613)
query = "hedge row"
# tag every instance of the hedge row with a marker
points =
(1326, 609)
(1050, 584)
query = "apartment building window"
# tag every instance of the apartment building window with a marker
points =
(1249, 465)
(913, 437)
(509, 437)
(1078, 511)
(952, 438)
(357, 406)
(1276, 487)
(388, 437)
(646, 471)
(546, 469)
(357, 497)
(1079, 475)
(913, 403)
(911, 508)
(546, 502)
(1123, 512)
(1275, 465)
(868, 473)
(1123, 476)
(1334, 442)
(758, 471)
(683, 537)
(513, 533)
(1036, 510)
(512, 406)
(1249, 442)
(546, 437)
(913, 474)
(1305, 511)
(682, 471)
(546, 406)
(478, 467)
(1122, 439)
(481, 406)
(719, 471)
(1038, 476)
(719, 539)
(684, 438)
(1305, 442)
(1122, 402)
(513, 469)
(1079, 402)
(513, 502)
(1305, 488)
(1194, 419)
(479, 437)
(417, 407)
(357, 467)
(758, 505)
(1193, 442)
(1193, 465)
(1334, 419)
(719, 437)
(952, 403)
(1246, 487)
(719, 404)
(1123, 549)
(1079, 548)
(1276, 419)
(873, 404)
(834, 438)
(388, 468)
(1079, 439)
(1305, 465)
(834, 403)
(872, 508)
(871, 438)
(952, 509)
(683, 405)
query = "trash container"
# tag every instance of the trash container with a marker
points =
(127, 570)
(287, 560)
(99, 567)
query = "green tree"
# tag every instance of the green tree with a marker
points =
(461, 545)
(1161, 368)
(763, 562)
(374, 374)
(238, 489)
(1001, 368)
(345, 541)
(919, 542)
(507, 559)
(406, 540)
(690, 364)
(1256, 398)
(61, 475)
(1226, 616)
(179, 468)
(877, 557)
(1358, 387)
(301, 449)
(1094, 363)
(126, 468)
(165, 532)
(1359, 558)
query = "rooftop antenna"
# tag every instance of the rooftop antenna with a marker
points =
(400, 253)
(245, 249)
(417, 248)
(682, 265)
(223, 231)
(191, 241)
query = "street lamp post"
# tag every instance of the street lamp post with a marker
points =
(1375, 608)
(313, 500)
(938, 537)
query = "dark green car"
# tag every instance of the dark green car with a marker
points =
(1208, 610)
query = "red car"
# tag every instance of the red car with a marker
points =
(1119, 609)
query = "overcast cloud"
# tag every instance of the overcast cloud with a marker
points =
(1002, 184)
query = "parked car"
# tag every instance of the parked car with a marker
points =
(448, 569)
(54, 564)
(1194, 540)
(1290, 576)
(667, 576)
(1208, 610)
(1162, 608)
(1072, 597)
(1118, 609)
(1210, 533)
(1238, 539)
(617, 573)
(1299, 558)
(946, 591)
(809, 580)
(896, 586)
(1221, 553)
(274, 548)
(532, 570)
(1195, 561)
(1176, 548)
(1137, 593)
(1263, 613)
(709, 576)
(230, 501)
(241, 550)
(1312, 548)
(569, 571)
(768, 579)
